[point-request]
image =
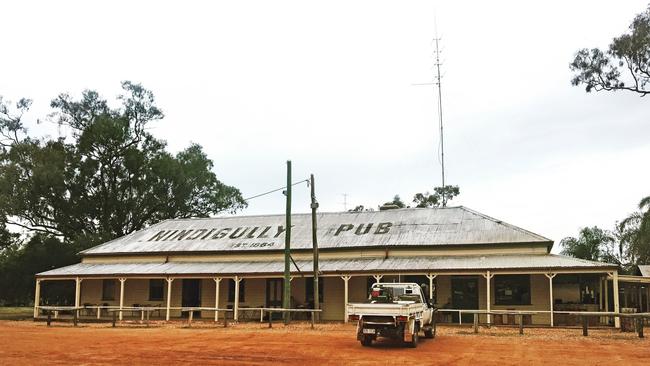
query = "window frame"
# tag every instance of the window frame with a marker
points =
(162, 290)
(515, 282)
(105, 294)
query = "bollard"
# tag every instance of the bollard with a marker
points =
(189, 319)
(147, 321)
(75, 318)
(640, 327)
(521, 324)
(270, 315)
(312, 320)
(475, 323)
(585, 325)
(49, 317)
(114, 318)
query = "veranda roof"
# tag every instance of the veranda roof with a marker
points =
(388, 265)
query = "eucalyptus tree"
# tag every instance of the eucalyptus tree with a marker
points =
(625, 65)
(109, 177)
(439, 197)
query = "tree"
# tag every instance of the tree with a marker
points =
(11, 126)
(439, 197)
(361, 208)
(397, 201)
(108, 178)
(624, 66)
(635, 234)
(20, 261)
(591, 244)
(112, 179)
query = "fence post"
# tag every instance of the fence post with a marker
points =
(585, 326)
(521, 324)
(189, 319)
(475, 322)
(640, 327)
(114, 318)
(49, 317)
(312, 320)
(270, 315)
(75, 317)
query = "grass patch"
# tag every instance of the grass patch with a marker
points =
(16, 313)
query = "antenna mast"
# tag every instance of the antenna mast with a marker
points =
(442, 140)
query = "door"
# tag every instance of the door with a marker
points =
(274, 295)
(464, 295)
(191, 296)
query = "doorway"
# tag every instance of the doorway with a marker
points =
(274, 295)
(191, 296)
(464, 295)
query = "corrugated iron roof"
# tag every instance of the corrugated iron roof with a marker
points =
(400, 227)
(388, 265)
(645, 270)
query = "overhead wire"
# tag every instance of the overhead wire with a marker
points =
(276, 190)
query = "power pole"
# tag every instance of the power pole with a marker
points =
(314, 241)
(286, 296)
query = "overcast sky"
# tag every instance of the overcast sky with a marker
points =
(329, 85)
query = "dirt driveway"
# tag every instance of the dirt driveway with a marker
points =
(25, 342)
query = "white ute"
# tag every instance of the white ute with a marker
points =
(393, 310)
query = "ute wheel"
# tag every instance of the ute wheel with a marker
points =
(366, 341)
(430, 332)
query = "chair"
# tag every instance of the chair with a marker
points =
(88, 310)
(244, 312)
(159, 309)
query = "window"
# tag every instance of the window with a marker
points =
(423, 281)
(309, 290)
(156, 290)
(370, 281)
(108, 290)
(512, 289)
(231, 291)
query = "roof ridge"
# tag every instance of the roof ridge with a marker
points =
(309, 213)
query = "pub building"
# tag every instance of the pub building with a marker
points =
(465, 259)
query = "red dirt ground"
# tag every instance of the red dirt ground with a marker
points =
(26, 342)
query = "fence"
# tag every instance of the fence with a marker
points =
(639, 318)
